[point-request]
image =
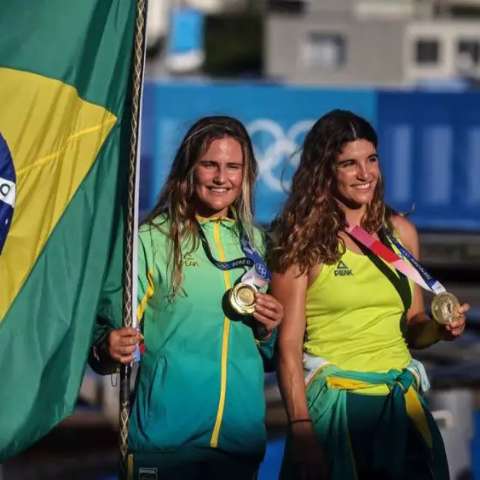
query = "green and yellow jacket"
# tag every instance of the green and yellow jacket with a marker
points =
(200, 382)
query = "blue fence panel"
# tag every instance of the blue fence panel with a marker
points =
(276, 116)
(430, 153)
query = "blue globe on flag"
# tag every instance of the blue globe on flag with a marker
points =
(7, 191)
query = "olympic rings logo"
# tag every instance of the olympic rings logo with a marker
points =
(276, 150)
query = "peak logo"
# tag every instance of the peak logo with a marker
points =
(342, 270)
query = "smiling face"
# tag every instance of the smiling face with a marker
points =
(218, 177)
(357, 173)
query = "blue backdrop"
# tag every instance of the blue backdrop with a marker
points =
(429, 142)
(430, 151)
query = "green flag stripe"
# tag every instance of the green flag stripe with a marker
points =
(56, 38)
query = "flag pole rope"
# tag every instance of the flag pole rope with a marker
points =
(137, 79)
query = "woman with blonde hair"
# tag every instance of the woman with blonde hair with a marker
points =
(199, 406)
(353, 393)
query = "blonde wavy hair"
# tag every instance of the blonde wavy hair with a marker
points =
(177, 198)
(307, 231)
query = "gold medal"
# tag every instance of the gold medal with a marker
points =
(242, 298)
(444, 307)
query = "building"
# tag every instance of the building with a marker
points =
(373, 42)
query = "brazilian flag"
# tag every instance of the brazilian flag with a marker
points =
(64, 124)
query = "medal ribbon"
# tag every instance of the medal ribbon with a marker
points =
(258, 272)
(412, 270)
(434, 285)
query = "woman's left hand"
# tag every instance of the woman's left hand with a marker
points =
(268, 311)
(454, 329)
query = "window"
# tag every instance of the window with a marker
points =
(427, 51)
(285, 6)
(325, 51)
(468, 53)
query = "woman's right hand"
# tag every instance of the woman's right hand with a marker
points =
(308, 455)
(121, 344)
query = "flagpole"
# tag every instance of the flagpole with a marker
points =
(138, 64)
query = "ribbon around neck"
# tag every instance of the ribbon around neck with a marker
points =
(413, 270)
(257, 274)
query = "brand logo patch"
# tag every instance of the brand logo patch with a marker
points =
(189, 261)
(147, 473)
(342, 270)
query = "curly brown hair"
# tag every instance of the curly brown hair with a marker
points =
(307, 231)
(176, 202)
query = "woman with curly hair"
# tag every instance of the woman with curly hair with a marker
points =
(199, 406)
(352, 391)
